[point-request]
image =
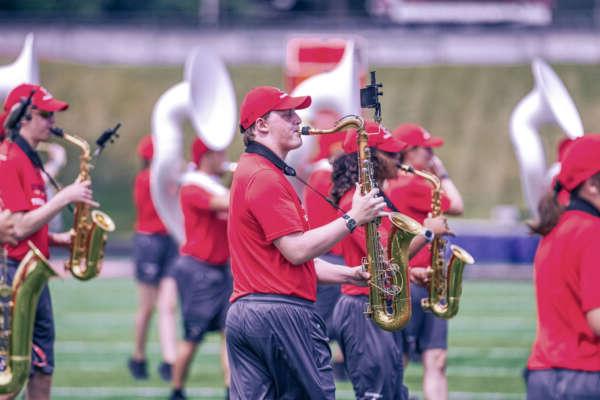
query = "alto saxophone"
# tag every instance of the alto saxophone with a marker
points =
(389, 290)
(18, 303)
(90, 228)
(446, 282)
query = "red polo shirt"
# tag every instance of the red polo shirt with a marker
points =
(265, 207)
(412, 195)
(567, 274)
(22, 189)
(146, 218)
(320, 212)
(205, 229)
(354, 245)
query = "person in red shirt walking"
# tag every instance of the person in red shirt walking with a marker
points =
(276, 342)
(202, 270)
(154, 250)
(363, 343)
(23, 192)
(565, 357)
(425, 338)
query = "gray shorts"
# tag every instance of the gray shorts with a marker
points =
(278, 349)
(425, 331)
(153, 254)
(562, 384)
(372, 356)
(204, 291)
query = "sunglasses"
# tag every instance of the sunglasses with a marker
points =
(45, 114)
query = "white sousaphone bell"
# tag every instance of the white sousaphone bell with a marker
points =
(24, 69)
(337, 90)
(205, 97)
(548, 103)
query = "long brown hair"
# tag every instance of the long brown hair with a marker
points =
(550, 211)
(345, 173)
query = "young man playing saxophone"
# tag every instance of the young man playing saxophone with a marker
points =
(276, 343)
(22, 191)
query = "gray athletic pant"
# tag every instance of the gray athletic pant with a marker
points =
(278, 349)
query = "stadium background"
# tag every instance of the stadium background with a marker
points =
(466, 96)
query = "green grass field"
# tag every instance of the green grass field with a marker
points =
(489, 344)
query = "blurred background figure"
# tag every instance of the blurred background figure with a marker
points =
(202, 272)
(565, 357)
(426, 336)
(154, 250)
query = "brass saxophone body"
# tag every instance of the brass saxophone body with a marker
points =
(90, 228)
(18, 303)
(446, 282)
(389, 290)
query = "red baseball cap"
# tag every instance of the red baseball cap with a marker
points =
(415, 135)
(580, 162)
(379, 138)
(145, 149)
(42, 99)
(263, 99)
(198, 150)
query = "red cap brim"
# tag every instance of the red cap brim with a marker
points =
(52, 105)
(433, 141)
(296, 103)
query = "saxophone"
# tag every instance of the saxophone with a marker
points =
(90, 228)
(389, 290)
(446, 283)
(18, 303)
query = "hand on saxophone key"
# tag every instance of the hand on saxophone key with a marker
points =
(78, 192)
(420, 275)
(358, 276)
(439, 225)
(366, 208)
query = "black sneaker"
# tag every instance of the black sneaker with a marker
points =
(138, 369)
(165, 370)
(177, 394)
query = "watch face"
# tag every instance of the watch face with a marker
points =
(351, 224)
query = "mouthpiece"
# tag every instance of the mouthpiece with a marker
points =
(57, 131)
(305, 130)
(406, 168)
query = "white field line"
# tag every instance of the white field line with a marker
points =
(161, 392)
(125, 348)
(453, 371)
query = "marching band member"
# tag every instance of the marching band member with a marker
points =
(426, 336)
(373, 361)
(565, 356)
(202, 269)
(276, 342)
(153, 251)
(22, 191)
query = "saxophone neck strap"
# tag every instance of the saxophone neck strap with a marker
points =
(34, 157)
(264, 151)
(579, 204)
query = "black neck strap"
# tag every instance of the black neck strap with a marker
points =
(33, 156)
(579, 204)
(264, 151)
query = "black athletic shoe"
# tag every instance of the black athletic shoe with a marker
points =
(177, 394)
(138, 369)
(165, 370)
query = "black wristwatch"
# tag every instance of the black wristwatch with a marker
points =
(428, 234)
(350, 222)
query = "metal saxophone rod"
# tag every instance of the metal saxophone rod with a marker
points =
(389, 290)
(18, 303)
(446, 281)
(90, 227)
